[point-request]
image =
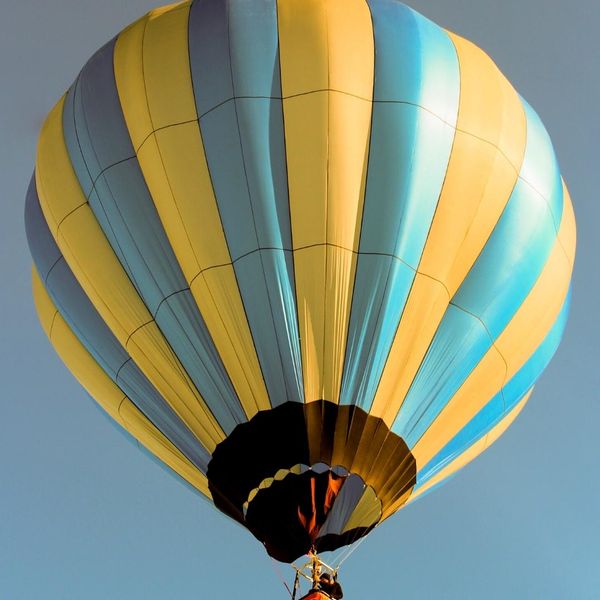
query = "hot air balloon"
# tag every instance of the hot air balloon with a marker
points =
(313, 255)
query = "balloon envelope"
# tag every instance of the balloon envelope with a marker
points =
(312, 254)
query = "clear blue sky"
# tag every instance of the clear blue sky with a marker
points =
(85, 516)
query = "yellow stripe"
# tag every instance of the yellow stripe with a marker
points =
(486, 157)
(366, 513)
(326, 163)
(96, 267)
(524, 333)
(475, 450)
(153, 77)
(567, 234)
(91, 376)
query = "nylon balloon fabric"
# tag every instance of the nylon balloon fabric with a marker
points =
(313, 255)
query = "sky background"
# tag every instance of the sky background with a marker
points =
(85, 516)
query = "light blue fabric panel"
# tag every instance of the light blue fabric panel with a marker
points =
(270, 306)
(97, 137)
(143, 394)
(70, 134)
(209, 54)
(415, 60)
(96, 117)
(346, 501)
(381, 287)
(254, 48)
(42, 246)
(225, 159)
(179, 315)
(501, 404)
(540, 167)
(245, 150)
(125, 211)
(417, 85)
(416, 98)
(85, 322)
(459, 343)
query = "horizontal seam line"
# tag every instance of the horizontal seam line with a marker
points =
(136, 330)
(292, 250)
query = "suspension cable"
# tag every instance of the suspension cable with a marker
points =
(350, 552)
(279, 574)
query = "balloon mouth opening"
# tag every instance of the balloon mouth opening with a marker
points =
(310, 508)
(311, 476)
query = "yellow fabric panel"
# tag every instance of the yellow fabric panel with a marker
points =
(424, 310)
(310, 266)
(153, 53)
(91, 376)
(347, 159)
(54, 171)
(486, 158)
(306, 137)
(326, 158)
(217, 294)
(489, 106)
(175, 169)
(367, 511)
(303, 46)
(567, 234)
(483, 383)
(324, 279)
(396, 505)
(167, 67)
(475, 450)
(105, 282)
(129, 75)
(326, 44)
(174, 165)
(338, 288)
(326, 162)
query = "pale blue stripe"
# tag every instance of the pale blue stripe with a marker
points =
(245, 150)
(458, 345)
(209, 54)
(540, 167)
(41, 243)
(415, 66)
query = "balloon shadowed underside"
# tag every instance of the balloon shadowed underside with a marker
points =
(318, 475)
(313, 255)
